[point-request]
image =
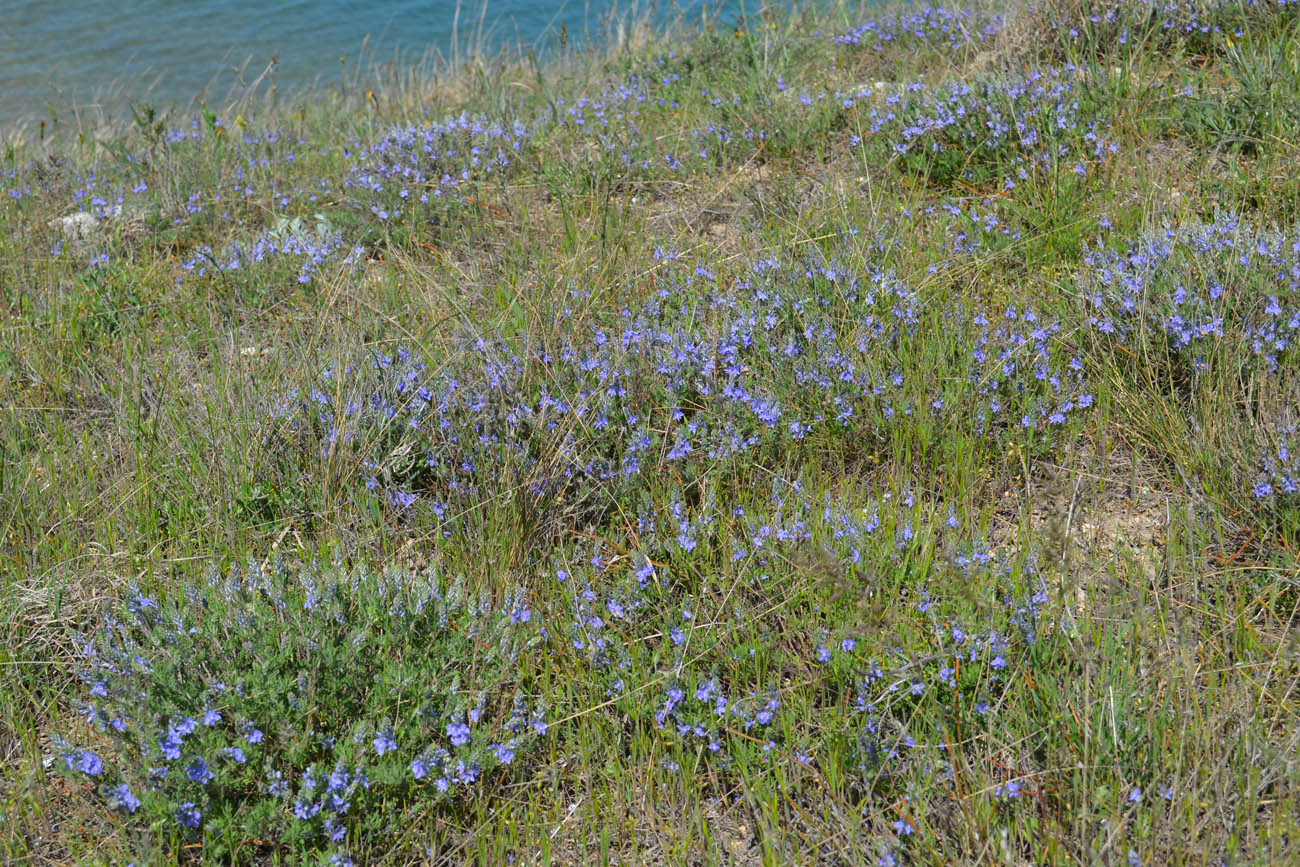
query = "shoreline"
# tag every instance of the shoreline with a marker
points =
(237, 76)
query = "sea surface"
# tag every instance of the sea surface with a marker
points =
(61, 56)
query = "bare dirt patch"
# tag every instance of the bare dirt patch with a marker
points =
(1094, 517)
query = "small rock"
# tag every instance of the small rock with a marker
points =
(76, 227)
(83, 225)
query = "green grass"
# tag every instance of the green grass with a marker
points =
(936, 451)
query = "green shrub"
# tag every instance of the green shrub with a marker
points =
(301, 711)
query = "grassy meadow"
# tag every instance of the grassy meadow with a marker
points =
(864, 436)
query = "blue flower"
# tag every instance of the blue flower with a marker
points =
(338, 781)
(86, 762)
(189, 815)
(199, 772)
(402, 499)
(459, 734)
(120, 798)
(384, 742)
(1008, 790)
(278, 787)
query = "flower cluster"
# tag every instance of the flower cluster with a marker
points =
(962, 670)
(722, 700)
(1280, 476)
(928, 25)
(994, 132)
(1208, 300)
(406, 172)
(1201, 284)
(1146, 24)
(705, 371)
(309, 248)
(288, 701)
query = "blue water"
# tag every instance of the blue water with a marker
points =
(58, 53)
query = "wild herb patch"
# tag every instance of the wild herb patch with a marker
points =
(279, 709)
(824, 440)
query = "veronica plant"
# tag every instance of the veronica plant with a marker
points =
(282, 705)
